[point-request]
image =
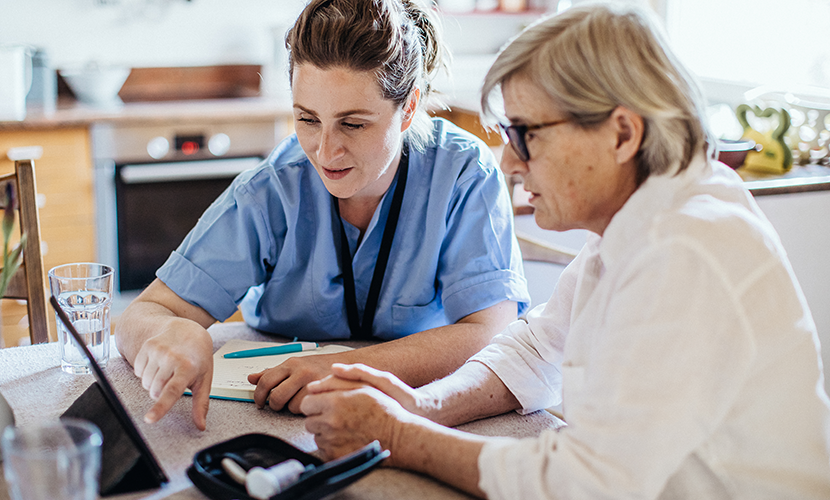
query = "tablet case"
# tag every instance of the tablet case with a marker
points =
(262, 450)
(124, 468)
(127, 464)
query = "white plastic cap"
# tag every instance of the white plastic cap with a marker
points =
(265, 483)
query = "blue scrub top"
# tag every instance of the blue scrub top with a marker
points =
(267, 245)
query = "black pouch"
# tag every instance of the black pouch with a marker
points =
(261, 450)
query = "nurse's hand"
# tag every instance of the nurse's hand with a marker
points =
(284, 385)
(179, 357)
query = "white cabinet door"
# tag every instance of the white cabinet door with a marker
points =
(803, 223)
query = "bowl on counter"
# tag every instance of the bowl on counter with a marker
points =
(733, 153)
(95, 85)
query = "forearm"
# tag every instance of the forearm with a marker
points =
(446, 454)
(423, 357)
(139, 322)
(471, 393)
(156, 310)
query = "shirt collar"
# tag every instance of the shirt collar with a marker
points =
(657, 194)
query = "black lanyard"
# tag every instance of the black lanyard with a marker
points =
(364, 331)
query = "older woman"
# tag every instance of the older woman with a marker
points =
(679, 337)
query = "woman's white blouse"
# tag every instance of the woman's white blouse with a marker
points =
(685, 355)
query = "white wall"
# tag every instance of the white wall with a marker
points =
(165, 33)
(148, 33)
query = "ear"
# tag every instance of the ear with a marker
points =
(409, 108)
(629, 128)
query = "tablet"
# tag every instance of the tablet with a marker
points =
(147, 462)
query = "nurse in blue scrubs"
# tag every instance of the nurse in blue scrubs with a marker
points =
(373, 221)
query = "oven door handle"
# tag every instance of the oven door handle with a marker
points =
(146, 173)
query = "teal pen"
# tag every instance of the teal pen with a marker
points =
(277, 349)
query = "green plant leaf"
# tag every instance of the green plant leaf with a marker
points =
(13, 259)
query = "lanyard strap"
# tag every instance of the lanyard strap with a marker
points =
(364, 331)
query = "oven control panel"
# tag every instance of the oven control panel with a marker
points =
(189, 145)
(198, 141)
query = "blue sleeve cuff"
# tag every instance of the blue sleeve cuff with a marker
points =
(485, 290)
(196, 287)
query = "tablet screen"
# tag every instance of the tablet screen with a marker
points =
(112, 398)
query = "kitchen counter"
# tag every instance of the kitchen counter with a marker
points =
(459, 90)
(71, 114)
(800, 179)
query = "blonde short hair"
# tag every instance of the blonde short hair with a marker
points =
(591, 59)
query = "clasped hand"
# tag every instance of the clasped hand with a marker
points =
(356, 405)
(284, 386)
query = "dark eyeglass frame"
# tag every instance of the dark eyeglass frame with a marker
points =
(516, 135)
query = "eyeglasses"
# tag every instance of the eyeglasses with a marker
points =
(516, 136)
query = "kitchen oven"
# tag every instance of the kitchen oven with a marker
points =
(153, 181)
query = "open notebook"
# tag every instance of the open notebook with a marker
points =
(230, 375)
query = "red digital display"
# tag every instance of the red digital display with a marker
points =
(190, 147)
(189, 144)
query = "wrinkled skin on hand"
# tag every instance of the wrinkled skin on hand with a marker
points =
(355, 406)
(345, 421)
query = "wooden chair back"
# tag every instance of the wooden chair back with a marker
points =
(29, 282)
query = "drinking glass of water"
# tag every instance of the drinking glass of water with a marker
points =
(53, 460)
(84, 291)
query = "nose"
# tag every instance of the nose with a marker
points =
(330, 147)
(510, 162)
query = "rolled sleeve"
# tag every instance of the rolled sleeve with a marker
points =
(480, 262)
(196, 286)
(483, 291)
(534, 382)
(232, 248)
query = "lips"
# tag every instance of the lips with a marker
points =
(532, 196)
(334, 174)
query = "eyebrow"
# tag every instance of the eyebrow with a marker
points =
(341, 114)
(515, 120)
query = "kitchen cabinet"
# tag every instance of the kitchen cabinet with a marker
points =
(802, 220)
(63, 176)
(470, 122)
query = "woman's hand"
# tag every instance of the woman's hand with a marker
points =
(357, 405)
(343, 421)
(178, 358)
(347, 377)
(164, 337)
